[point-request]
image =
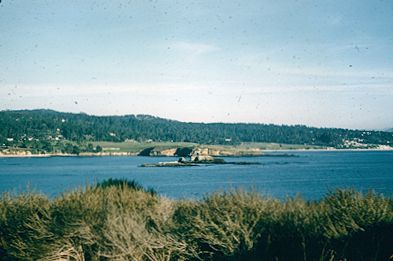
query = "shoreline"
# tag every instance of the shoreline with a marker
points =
(332, 150)
(129, 154)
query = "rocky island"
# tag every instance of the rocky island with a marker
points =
(195, 160)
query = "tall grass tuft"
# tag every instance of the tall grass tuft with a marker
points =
(119, 220)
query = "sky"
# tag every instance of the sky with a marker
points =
(317, 63)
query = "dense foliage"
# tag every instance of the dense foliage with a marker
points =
(26, 127)
(118, 220)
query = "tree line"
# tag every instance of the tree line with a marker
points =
(47, 125)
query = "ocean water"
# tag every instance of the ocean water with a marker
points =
(310, 174)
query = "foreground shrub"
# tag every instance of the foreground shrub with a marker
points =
(119, 220)
(24, 225)
(131, 237)
(359, 226)
(346, 225)
(98, 223)
(295, 232)
(124, 183)
(223, 225)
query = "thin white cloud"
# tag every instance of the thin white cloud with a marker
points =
(343, 88)
(80, 90)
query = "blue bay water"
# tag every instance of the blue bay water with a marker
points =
(311, 174)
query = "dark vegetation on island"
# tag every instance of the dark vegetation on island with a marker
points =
(120, 220)
(47, 131)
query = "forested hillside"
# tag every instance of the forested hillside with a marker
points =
(23, 127)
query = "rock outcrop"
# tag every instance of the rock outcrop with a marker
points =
(158, 152)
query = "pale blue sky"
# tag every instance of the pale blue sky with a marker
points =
(320, 63)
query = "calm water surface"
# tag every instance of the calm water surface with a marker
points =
(311, 174)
